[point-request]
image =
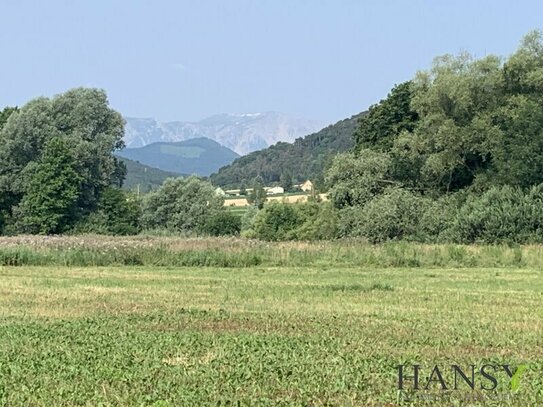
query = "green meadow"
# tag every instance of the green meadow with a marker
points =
(324, 333)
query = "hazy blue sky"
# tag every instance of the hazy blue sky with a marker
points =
(185, 60)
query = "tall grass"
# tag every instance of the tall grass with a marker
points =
(87, 250)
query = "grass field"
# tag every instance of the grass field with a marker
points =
(327, 333)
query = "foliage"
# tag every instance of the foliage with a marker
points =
(5, 114)
(395, 214)
(286, 181)
(49, 201)
(276, 221)
(258, 195)
(91, 132)
(464, 127)
(142, 178)
(222, 223)
(181, 204)
(301, 221)
(248, 218)
(118, 213)
(463, 123)
(319, 221)
(501, 214)
(386, 120)
(304, 159)
(355, 179)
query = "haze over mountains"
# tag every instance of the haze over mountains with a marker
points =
(242, 133)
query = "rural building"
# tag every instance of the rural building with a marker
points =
(307, 186)
(275, 190)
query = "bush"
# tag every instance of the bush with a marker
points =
(396, 214)
(118, 213)
(248, 220)
(277, 221)
(182, 205)
(319, 221)
(303, 221)
(222, 223)
(502, 214)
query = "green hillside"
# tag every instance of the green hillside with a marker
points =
(148, 178)
(200, 156)
(304, 159)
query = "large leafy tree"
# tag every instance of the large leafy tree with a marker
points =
(387, 119)
(91, 131)
(464, 123)
(481, 121)
(49, 201)
(355, 179)
(5, 201)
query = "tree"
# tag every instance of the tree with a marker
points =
(286, 181)
(90, 130)
(355, 179)
(49, 202)
(480, 121)
(386, 120)
(243, 189)
(5, 114)
(118, 213)
(258, 195)
(182, 205)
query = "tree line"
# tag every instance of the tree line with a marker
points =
(455, 154)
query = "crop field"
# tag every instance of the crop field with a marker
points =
(287, 198)
(186, 324)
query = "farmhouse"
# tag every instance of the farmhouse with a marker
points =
(307, 186)
(274, 190)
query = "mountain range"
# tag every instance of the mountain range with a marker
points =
(200, 156)
(242, 133)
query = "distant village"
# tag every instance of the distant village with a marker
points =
(237, 197)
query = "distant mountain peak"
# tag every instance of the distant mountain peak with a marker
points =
(240, 132)
(200, 156)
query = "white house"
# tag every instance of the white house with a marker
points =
(275, 190)
(307, 186)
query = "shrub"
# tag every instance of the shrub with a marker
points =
(277, 221)
(222, 223)
(181, 205)
(393, 215)
(501, 214)
(319, 221)
(247, 221)
(302, 221)
(118, 213)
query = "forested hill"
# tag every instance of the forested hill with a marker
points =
(144, 177)
(304, 159)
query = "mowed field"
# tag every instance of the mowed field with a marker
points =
(326, 334)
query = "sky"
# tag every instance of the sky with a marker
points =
(186, 60)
